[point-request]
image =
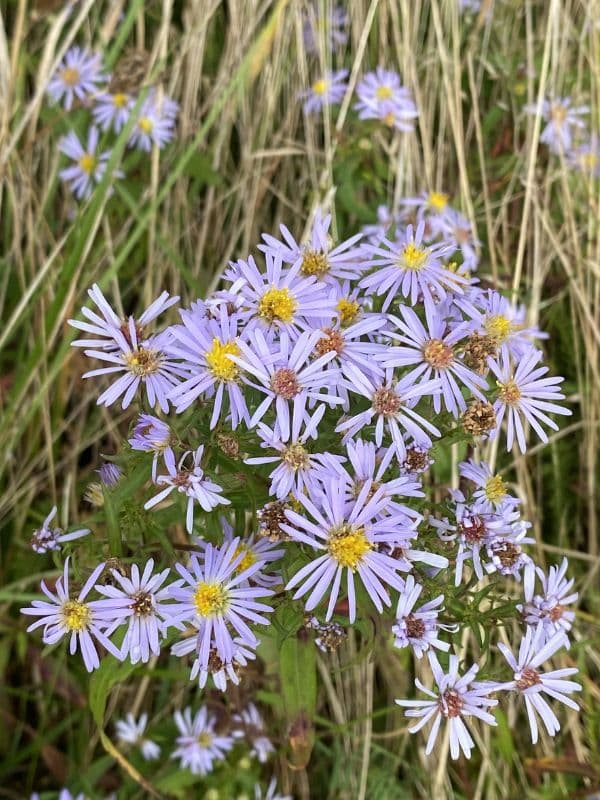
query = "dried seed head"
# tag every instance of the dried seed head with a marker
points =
(479, 418)
(476, 351)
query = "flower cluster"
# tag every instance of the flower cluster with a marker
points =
(81, 81)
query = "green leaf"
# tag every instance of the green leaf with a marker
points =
(102, 681)
(298, 673)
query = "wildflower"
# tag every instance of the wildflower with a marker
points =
(107, 321)
(251, 726)
(155, 124)
(66, 616)
(318, 257)
(110, 474)
(205, 347)
(146, 364)
(334, 26)
(77, 77)
(528, 680)
(191, 482)
(505, 324)
(508, 558)
(89, 166)
(381, 96)
(130, 731)
(140, 602)
(491, 490)
(198, 745)
(46, 538)
(479, 419)
(410, 268)
(152, 435)
(391, 407)
(561, 117)
(456, 228)
(549, 607)
(457, 697)
(112, 110)
(348, 533)
(215, 667)
(215, 596)
(418, 628)
(270, 519)
(326, 91)
(417, 459)
(524, 393)
(432, 349)
(586, 157)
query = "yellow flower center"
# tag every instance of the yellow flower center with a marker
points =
(558, 113)
(413, 257)
(437, 200)
(389, 119)
(499, 327)
(142, 362)
(218, 360)
(319, 87)
(314, 263)
(87, 163)
(349, 310)
(70, 76)
(205, 739)
(76, 615)
(210, 599)
(437, 354)
(247, 561)
(119, 100)
(277, 304)
(348, 545)
(495, 489)
(296, 457)
(510, 393)
(145, 124)
(383, 92)
(589, 160)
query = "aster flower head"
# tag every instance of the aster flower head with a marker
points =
(410, 268)
(532, 683)
(586, 157)
(333, 26)
(191, 481)
(62, 615)
(319, 256)
(131, 731)
(382, 96)
(77, 77)
(504, 323)
(506, 556)
(152, 435)
(418, 627)
(89, 167)
(155, 125)
(549, 608)
(106, 322)
(325, 91)
(454, 227)
(455, 699)
(47, 538)
(110, 474)
(249, 724)
(491, 492)
(140, 602)
(561, 117)
(214, 667)
(112, 110)
(348, 533)
(524, 395)
(198, 744)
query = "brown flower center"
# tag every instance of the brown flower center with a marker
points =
(437, 354)
(296, 457)
(451, 703)
(386, 402)
(529, 677)
(285, 383)
(332, 341)
(142, 604)
(415, 628)
(472, 530)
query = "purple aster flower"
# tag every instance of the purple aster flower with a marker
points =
(131, 731)
(112, 110)
(78, 76)
(348, 533)
(214, 666)
(349, 305)
(333, 26)
(432, 351)
(410, 268)
(214, 596)
(152, 435)
(507, 557)
(107, 321)
(382, 96)
(561, 117)
(528, 679)
(45, 539)
(491, 492)
(198, 745)
(155, 124)
(524, 393)
(250, 725)
(318, 257)
(146, 364)
(418, 628)
(430, 208)
(89, 166)
(505, 323)
(140, 602)
(456, 228)
(326, 91)
(192, 482)
(392, 407)
(456, 698)
(287, 374)
(62, 616)
(586, 157)
(279, 299)
(110, 474)
(549, 607)
(205, 345)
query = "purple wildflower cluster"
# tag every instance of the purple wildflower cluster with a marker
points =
(81, 81)
(325, 377)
